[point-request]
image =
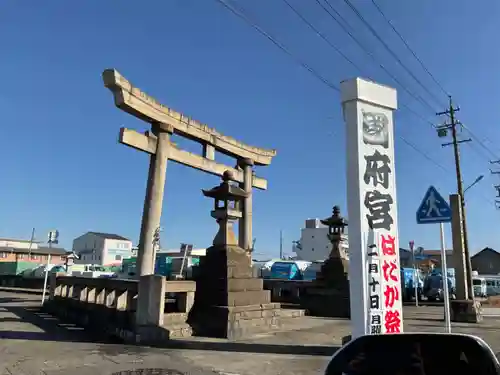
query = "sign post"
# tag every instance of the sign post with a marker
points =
(435, 209)
(53, 238)
(415, 279)
(186, 250)
(374, 271)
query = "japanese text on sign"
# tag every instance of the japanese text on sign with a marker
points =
(383, 272)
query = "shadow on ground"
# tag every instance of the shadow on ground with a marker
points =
(10, 299)
(232, 346)
(428, 319)
(47, 326)
(50, 328)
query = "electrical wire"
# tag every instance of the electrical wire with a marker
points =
(330, 43)
(481, 144)
(346, 28)
(424, 67)
(321, 35)
(379, 9)
(373, 31)
(240, 14)
(389, 49)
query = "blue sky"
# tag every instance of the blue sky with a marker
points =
(62, 167)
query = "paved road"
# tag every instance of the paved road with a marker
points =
(36, 343)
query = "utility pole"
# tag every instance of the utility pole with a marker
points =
(442, 132)
(32, 238)
(281, 244)
(497, 187)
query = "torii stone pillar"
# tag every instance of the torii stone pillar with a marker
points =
(166, 121)
(245, 223)
(153, 201)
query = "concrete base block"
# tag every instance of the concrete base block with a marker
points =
(466, 311)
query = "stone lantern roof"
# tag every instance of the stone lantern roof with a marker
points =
(335, 220)
(226, 190)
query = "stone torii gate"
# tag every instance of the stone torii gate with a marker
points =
(164, 122)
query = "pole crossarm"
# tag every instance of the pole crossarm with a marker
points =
(147, 143)
(137, 103)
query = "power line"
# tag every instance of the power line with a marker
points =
(480, 151)
(426, 156)
(389, 49)
(240, 14)
(321, 35)
(479, 141)
(346, 28)
(409, 48)
(373, 31)
(328, 41)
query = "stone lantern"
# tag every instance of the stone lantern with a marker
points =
(227, 209)
(336, 227)
(334, 269)
(229, 301)
(328, 295)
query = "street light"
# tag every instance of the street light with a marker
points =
(475, 182)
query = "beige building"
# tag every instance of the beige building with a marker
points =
(104, 249)
(18, 250)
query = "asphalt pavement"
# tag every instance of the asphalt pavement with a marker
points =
(34, 342)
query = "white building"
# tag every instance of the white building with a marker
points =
(179, 253)
(314, 244)
(173, 252)
(102, 248)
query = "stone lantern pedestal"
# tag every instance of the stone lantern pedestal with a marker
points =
(229, 301)
(329, 293)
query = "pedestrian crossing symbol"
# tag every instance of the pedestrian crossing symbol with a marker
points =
(433, 209)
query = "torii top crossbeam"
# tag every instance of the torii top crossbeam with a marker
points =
(134, 101)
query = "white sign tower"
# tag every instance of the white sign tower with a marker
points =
(374, 271)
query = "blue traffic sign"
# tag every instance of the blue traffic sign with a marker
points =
(433, 209)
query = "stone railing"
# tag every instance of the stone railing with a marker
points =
(120, 308)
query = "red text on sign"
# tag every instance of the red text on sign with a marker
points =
(390, 271)
(391, 295)
(392, 322)
(388, 245)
